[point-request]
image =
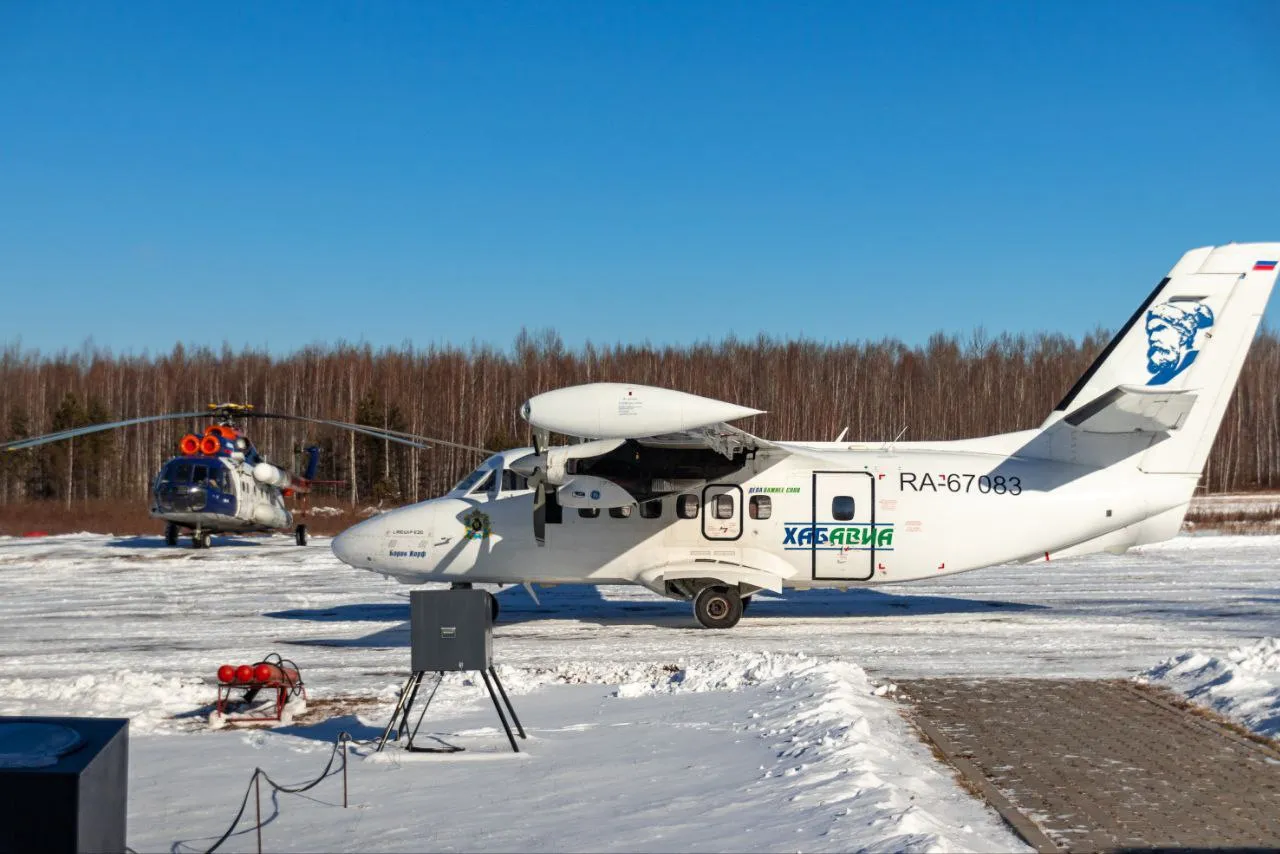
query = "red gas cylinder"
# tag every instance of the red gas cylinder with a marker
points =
(226, 673)
(264, 672)
(244, 673)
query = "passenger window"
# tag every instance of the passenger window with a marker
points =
(761, 507)
(588, 512)
(723, 506)
(842, 508)
(651, 509)
(687, 507)
(620, 512)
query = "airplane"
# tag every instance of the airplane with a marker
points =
(661, 491)
(219, 483)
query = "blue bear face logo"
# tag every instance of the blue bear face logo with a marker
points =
(1172, 329)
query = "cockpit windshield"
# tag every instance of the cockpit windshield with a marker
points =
(491, 477)
(180, 473)
(480, 480)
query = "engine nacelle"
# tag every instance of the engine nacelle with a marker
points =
(270, 475)
(585, 491)
(621, 410)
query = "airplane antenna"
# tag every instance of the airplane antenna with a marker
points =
(843, 433)
(889, 445)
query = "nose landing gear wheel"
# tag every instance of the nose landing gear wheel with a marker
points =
(300, 535)
(201, 539)
(718, 607)
(170, 534)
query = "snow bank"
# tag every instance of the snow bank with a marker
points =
(1244, 685)
(154, 702)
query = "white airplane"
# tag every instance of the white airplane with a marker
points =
(663, 492)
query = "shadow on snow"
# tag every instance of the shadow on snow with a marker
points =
(584, 603)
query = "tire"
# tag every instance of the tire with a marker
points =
(300, 535)
(171, 534)
(201, 539)
(717, 607)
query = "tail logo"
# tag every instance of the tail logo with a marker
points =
(1172, 332)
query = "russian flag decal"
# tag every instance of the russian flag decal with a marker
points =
(1265, 265)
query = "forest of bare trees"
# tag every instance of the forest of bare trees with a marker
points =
(949, 388)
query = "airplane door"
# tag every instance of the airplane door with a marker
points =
(843, 533)
(722, 511)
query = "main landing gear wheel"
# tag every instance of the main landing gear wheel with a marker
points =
(201, 539)
(718, 607)
(300, 535)
(170, 534)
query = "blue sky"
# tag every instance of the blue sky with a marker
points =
(278, 174)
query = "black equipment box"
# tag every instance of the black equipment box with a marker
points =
(63, 793)
(451, 629)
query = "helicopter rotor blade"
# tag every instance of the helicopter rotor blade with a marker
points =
(410, 439)
(34, 441)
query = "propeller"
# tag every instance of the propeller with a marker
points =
(538, 476)
(544, 467)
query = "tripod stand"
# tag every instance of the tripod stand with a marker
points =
(409, 693)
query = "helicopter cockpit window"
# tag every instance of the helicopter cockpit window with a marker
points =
(178, 473)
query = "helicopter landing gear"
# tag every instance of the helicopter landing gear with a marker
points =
(201, 539)
(171, 534)
(300, 535)
(718, 607)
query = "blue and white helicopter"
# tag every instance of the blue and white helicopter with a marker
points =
(219, 483)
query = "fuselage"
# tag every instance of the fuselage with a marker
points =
(813, 515)
(216, 494)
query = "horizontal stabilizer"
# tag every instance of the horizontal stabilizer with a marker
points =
(1134, 409)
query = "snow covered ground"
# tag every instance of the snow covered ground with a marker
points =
(1243, 684)
(647, 733)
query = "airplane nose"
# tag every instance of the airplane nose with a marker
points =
(355, 547)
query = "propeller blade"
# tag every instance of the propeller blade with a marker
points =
(540, 512)
(34, 441)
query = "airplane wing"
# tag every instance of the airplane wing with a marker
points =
(641, 442)
(724, 439)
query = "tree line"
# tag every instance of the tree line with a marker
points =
(950, 387)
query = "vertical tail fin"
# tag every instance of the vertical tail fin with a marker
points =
(313, 461)
(1163, 383)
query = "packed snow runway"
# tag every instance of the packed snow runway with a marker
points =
(647, 732)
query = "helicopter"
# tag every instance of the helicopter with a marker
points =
(220, 483)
